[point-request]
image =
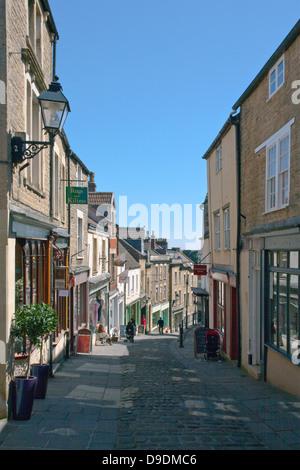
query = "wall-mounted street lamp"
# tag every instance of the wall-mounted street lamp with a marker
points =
(55, 108)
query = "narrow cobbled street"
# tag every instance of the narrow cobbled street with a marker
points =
(171, 401)
(153, 395)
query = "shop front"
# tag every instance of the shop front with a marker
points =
(79, 302)
(160, 311)
(133, 311)
(225, 311)
(98, 301)
(281, 326)
(202, 308)
(39, 253)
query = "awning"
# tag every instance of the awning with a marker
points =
(199, 292)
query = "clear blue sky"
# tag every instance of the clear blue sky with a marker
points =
(151, 82)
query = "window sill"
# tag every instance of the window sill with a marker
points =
(34, 189)
(275, 209)
(281, 353)
(274, 93)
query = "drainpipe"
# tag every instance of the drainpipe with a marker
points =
(235, 120)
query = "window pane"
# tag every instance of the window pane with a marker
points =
(272, 161)
(34, 273)
(282, 259)
(27, 271)
(273, 308)
(294, 259)
(272, 258)
(294, 313)
(284, 153)
(273, 82)
(280, 74)
(282, 319)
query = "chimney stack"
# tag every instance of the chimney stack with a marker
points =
(153, 241)
(92, 184)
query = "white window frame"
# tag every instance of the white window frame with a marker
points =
(56, 188)
(219, 158)
(277, 74)
(217, 233)
(34, 132)
(226, 218)
(274, 142)
(63, 191)
(35, 29)
(79, 235)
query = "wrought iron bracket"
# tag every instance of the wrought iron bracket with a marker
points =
(34, 147)
(26, 149)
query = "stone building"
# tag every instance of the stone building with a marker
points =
(157, 284)
(27, 33)
(132, 291)
(101, 258)
(43, 240)
(181, 283)
(201, 292)
(79, 270)
(221, 160)
(270, 218)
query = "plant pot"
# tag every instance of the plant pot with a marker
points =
(23, 389)
(41, 372)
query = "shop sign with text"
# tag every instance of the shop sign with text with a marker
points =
(76, 195)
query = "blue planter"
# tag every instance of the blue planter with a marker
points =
(41, 372)
(23, 389)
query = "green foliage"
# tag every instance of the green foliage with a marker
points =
(192, 254)
(36, 322)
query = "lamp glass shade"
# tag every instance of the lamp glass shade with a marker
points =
(54, 107)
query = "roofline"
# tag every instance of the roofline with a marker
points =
(113, 201)
(217, 140)
(286, 43)
(51, 21)
(73, 155)
(133, 251)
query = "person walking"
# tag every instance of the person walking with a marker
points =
(130, 330)
(160, 326)
(144, 323)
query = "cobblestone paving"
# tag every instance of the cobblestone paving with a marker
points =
(171, 401)
(153, 395)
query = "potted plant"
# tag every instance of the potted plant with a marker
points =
(47, 324)
(29, 321)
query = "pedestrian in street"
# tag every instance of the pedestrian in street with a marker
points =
(134, 326)
(144, 323)
(160, 326)
(130, 330)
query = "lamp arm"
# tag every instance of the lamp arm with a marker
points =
(34, 147)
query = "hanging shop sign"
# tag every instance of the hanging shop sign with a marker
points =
(76, 195)
(200, 269)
